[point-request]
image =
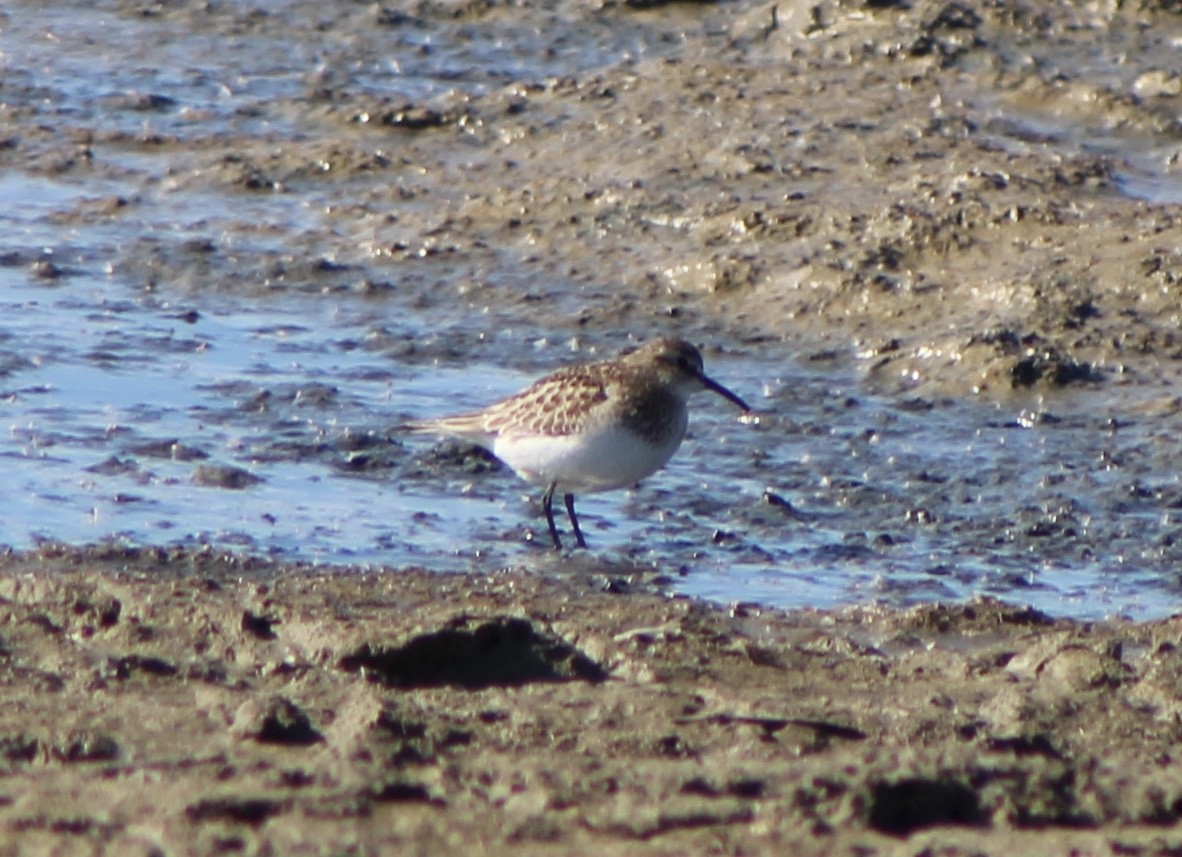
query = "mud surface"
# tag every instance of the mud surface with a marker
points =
(937, 243)
(173, 703)
(934, 243)
(981, 195)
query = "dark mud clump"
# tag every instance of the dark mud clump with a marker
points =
(496, 652)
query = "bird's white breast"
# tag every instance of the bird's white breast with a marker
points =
(603, 459)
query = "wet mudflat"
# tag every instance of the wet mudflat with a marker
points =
(936, 244)
(167, 702)
(933, 245)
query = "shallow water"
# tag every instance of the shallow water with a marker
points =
(140, 413)
(115, 402)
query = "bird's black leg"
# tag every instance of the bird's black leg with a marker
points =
(547, 499)
(569, 499)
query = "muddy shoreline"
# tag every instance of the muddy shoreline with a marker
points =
(165, 702)
(930, 189)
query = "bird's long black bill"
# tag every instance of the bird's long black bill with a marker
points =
(715, 387)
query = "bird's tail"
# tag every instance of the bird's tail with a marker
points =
(468, 426)
(418, 427)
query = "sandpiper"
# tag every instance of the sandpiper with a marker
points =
(591, 427)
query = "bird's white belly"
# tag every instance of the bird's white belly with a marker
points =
(601, 460)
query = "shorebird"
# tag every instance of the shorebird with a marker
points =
(591, 427)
